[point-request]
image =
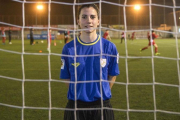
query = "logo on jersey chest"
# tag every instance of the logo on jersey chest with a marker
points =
(75, 64)
(103, 62)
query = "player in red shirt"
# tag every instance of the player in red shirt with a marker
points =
(106, 35)
(132, 37)
(151, 41)
(122, 36)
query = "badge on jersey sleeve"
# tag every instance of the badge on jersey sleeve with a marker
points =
(103, 62)
(118, 58)
(62, 63)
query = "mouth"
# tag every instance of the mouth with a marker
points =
(88, 26)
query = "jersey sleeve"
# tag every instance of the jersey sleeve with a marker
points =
(154, 36)
(113, 68)
(64, 74)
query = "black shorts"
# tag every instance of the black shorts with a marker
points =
(89, 114)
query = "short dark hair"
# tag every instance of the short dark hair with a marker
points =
(88, 6)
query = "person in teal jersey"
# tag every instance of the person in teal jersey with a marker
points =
(95, 71)
(3, 34)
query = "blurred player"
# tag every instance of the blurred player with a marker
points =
(148, 36)
(129, 36)
(3, 34)
(66, 36)
(49, 40)
(9, 33)
(152, 42)
(122, 37)
(132, 37)
(56, 38)
(106, 35)
(31, 37)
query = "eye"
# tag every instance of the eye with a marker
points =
(93, 16)
(84, 16)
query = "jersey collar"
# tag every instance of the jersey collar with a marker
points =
(90, 43)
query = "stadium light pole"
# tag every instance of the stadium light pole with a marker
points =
(119, 18)
(39, 8)
(137, 8)
(164, 16)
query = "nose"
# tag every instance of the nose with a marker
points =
(89, 20)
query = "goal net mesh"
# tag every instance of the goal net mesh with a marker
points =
(148, 85)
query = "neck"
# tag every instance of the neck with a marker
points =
(88, 37)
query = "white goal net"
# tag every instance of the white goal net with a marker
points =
(148, 86)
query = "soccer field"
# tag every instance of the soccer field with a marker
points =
(140, 99)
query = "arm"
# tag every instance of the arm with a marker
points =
(112, 79)
(109, 37)
(154, 35)
(65, 73)
(67, 84)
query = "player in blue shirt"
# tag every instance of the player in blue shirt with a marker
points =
(94, 72)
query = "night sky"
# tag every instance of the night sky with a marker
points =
(8, 7)
(65, 12)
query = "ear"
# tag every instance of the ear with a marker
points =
(98, 21)
(78, 21)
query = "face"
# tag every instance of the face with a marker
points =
(88, 19)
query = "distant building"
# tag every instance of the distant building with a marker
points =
(170, 18)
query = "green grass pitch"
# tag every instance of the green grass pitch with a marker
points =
(139, 70)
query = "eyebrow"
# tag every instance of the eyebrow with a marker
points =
(87, 15)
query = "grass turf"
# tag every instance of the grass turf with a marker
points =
(139, 70)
